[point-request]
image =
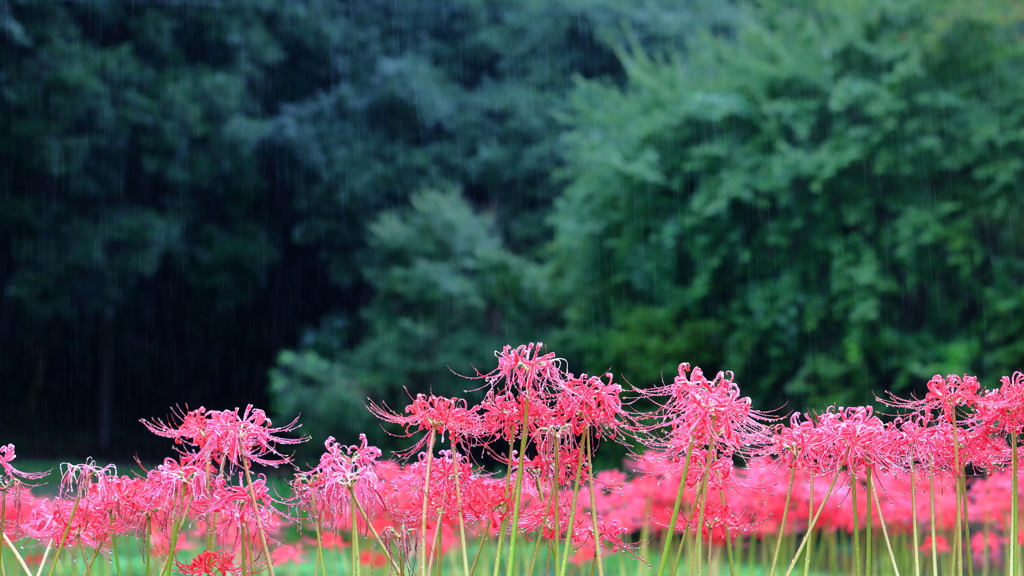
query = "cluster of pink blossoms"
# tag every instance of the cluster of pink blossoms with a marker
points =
(703, 461)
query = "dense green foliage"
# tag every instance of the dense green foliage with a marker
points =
(357, 197)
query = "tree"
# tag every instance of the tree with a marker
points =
(825, 204)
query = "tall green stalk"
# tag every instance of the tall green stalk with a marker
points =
(64, 536)
(810, 537)
(881, 520)
(426, 500)
(782, 525)
(856, 525)
(913, 521)
(811, 524)
(702, 496)
(593, 506)
(869, 521)
(1014, 518)
(931, 514)
(260, 530)
(355, 542)
(572, 518)
(675, 511)
(517, 498)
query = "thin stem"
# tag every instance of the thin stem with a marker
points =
(64, 537)
(462, 521)
(856, 524)
(675, 510)
(426, 496)
(702, 495)
(572, 518)
(593, 506)
(931, 513)
(376, 536)
(810, 526)
(728, 538)
(255, 509)
(957, 542)
(913, 520)
(504, 507)
(479, 550)
(881, 519)
(46, 553)
(16, 555)
(117, 555)
(517, 498)
(355, 542)
(869, 489)
(1014, 518)
(782, 525)
(810, 537)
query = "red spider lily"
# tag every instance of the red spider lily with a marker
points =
(944, 395)
(1002, 409)
(705, 411)
(208, 562)
(226, 435)
(588, 403)
(233, 505)
(326, 491)
(13, 474)
(523, 370)
(501, 417)
(439, 414)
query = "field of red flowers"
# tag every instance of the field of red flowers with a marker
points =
(712, 486)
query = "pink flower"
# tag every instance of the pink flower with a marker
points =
(225, 435)
(13, 474)
(208, 563)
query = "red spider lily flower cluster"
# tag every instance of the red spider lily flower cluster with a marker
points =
(705, 466)
(224, 435)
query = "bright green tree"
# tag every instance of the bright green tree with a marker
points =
(827, 204)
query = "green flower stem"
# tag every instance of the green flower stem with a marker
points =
(782, 525)
(504, 509)
(813, 522)
(702, 497)
(426, 492)
(856, 524)
(913, 520)
(728, 539)
(376, 536)
(462, 521)
(1014, 518)
(931, 514)
(810, 537)
(16, 554)
(117, 555)
(598, 544)
(517, 497)
(667, 546)
(572, 519)
(259, 521)
(868, 490)
(64, 537)
(355, 543)
(881, 520)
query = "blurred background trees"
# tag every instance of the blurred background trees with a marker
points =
(309, 202)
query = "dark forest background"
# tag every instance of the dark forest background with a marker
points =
(302, 203)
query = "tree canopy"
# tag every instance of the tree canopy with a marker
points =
(309, 202)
